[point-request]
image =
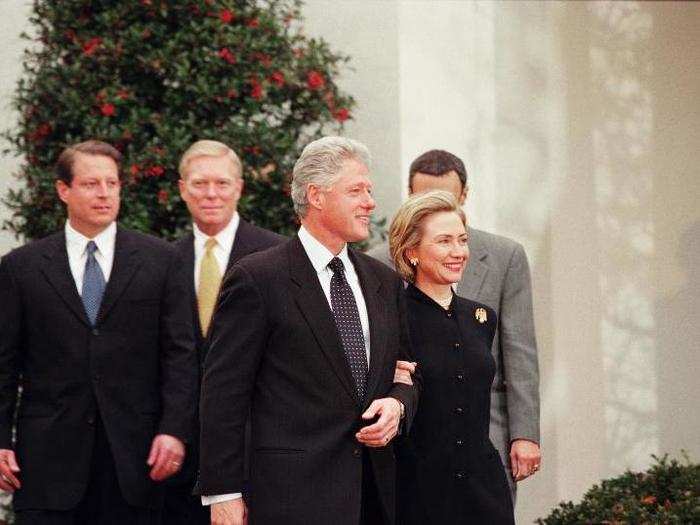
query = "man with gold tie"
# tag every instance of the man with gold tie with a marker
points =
(210, 184)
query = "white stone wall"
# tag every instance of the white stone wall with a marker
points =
(580, 126)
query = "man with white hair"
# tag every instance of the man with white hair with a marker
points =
(305, 339)
(211, 182)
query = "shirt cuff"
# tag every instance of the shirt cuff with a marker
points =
(220, 498)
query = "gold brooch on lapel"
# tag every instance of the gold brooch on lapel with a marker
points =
(480, 315)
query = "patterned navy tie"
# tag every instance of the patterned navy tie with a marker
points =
(347, 319)
(93, 284)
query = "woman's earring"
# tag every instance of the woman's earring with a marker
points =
(414, 262)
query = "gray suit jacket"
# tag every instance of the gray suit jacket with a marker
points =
(498, 275)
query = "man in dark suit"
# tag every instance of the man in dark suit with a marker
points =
(305, 338)
(94, 328)
(211, 183)
(498, 275)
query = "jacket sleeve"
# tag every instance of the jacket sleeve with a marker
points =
(408, 395)
(10, 330)
(178, 357)
(236, 345)
(519, 350)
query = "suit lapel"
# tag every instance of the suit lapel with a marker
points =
(242, 244)
(375, 312)
(476, 270)
(56, 269)
(187, 253)
(126, 262)
(314, 307)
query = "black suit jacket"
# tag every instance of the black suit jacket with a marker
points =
(249, 239)
(136, 370)
(275, 350)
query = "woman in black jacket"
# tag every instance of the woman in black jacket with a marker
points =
(448, 470)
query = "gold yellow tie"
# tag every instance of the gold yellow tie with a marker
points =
(209, 283)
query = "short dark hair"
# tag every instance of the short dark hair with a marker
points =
(64, 164)
(438, 162)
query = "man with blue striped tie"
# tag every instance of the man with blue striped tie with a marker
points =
(94, 329)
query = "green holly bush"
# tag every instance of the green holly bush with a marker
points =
(153, 76)
(667, 493)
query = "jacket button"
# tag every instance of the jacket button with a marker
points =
(357, 453)
(460, 474)
(91, 421)
(459, 442)
(460, 377)
(95, 377)
(459, 410)
(95, 331)
(456, 345)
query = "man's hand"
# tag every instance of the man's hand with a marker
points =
(231, 512)
(386, 427)
(403, 371)
(165, 458)
(9, 482)
(525, 458)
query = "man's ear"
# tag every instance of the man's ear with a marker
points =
(240, 184)
(316, 196)
(62, 189)
(464, 196)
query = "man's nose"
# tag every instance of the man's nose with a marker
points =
(370, 202)
(102, 189)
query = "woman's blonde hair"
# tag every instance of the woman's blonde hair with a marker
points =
(406, 227)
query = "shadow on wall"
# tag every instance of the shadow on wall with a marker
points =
(621, 68)
(679, 351)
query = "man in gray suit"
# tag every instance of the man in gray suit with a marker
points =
(498, 275)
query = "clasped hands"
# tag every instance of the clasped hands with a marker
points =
(389, 410)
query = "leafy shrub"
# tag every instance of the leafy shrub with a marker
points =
(667, 493)
(153, 76)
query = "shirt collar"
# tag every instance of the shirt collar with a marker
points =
(318, 254)
(104, 240)
(224, 238)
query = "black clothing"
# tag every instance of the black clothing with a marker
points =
(135, 369)
(103, 502)
(181, 506)
(448, 470)
(275, 349)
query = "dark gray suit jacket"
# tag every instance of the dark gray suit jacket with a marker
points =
(135, 369)
(498, 275)
(275, 354)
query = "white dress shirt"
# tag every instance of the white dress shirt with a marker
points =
(320, 256)
(222, 250)
(76, 245)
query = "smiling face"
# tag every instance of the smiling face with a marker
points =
(92, 197)
(442, 252)
(343, 211)
(211, 187)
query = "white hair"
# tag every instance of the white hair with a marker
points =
(209, 148)
(320, 164)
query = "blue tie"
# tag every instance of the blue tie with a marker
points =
(93, 284)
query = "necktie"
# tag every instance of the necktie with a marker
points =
(93, 284)
(347, 319)
(209, 283)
